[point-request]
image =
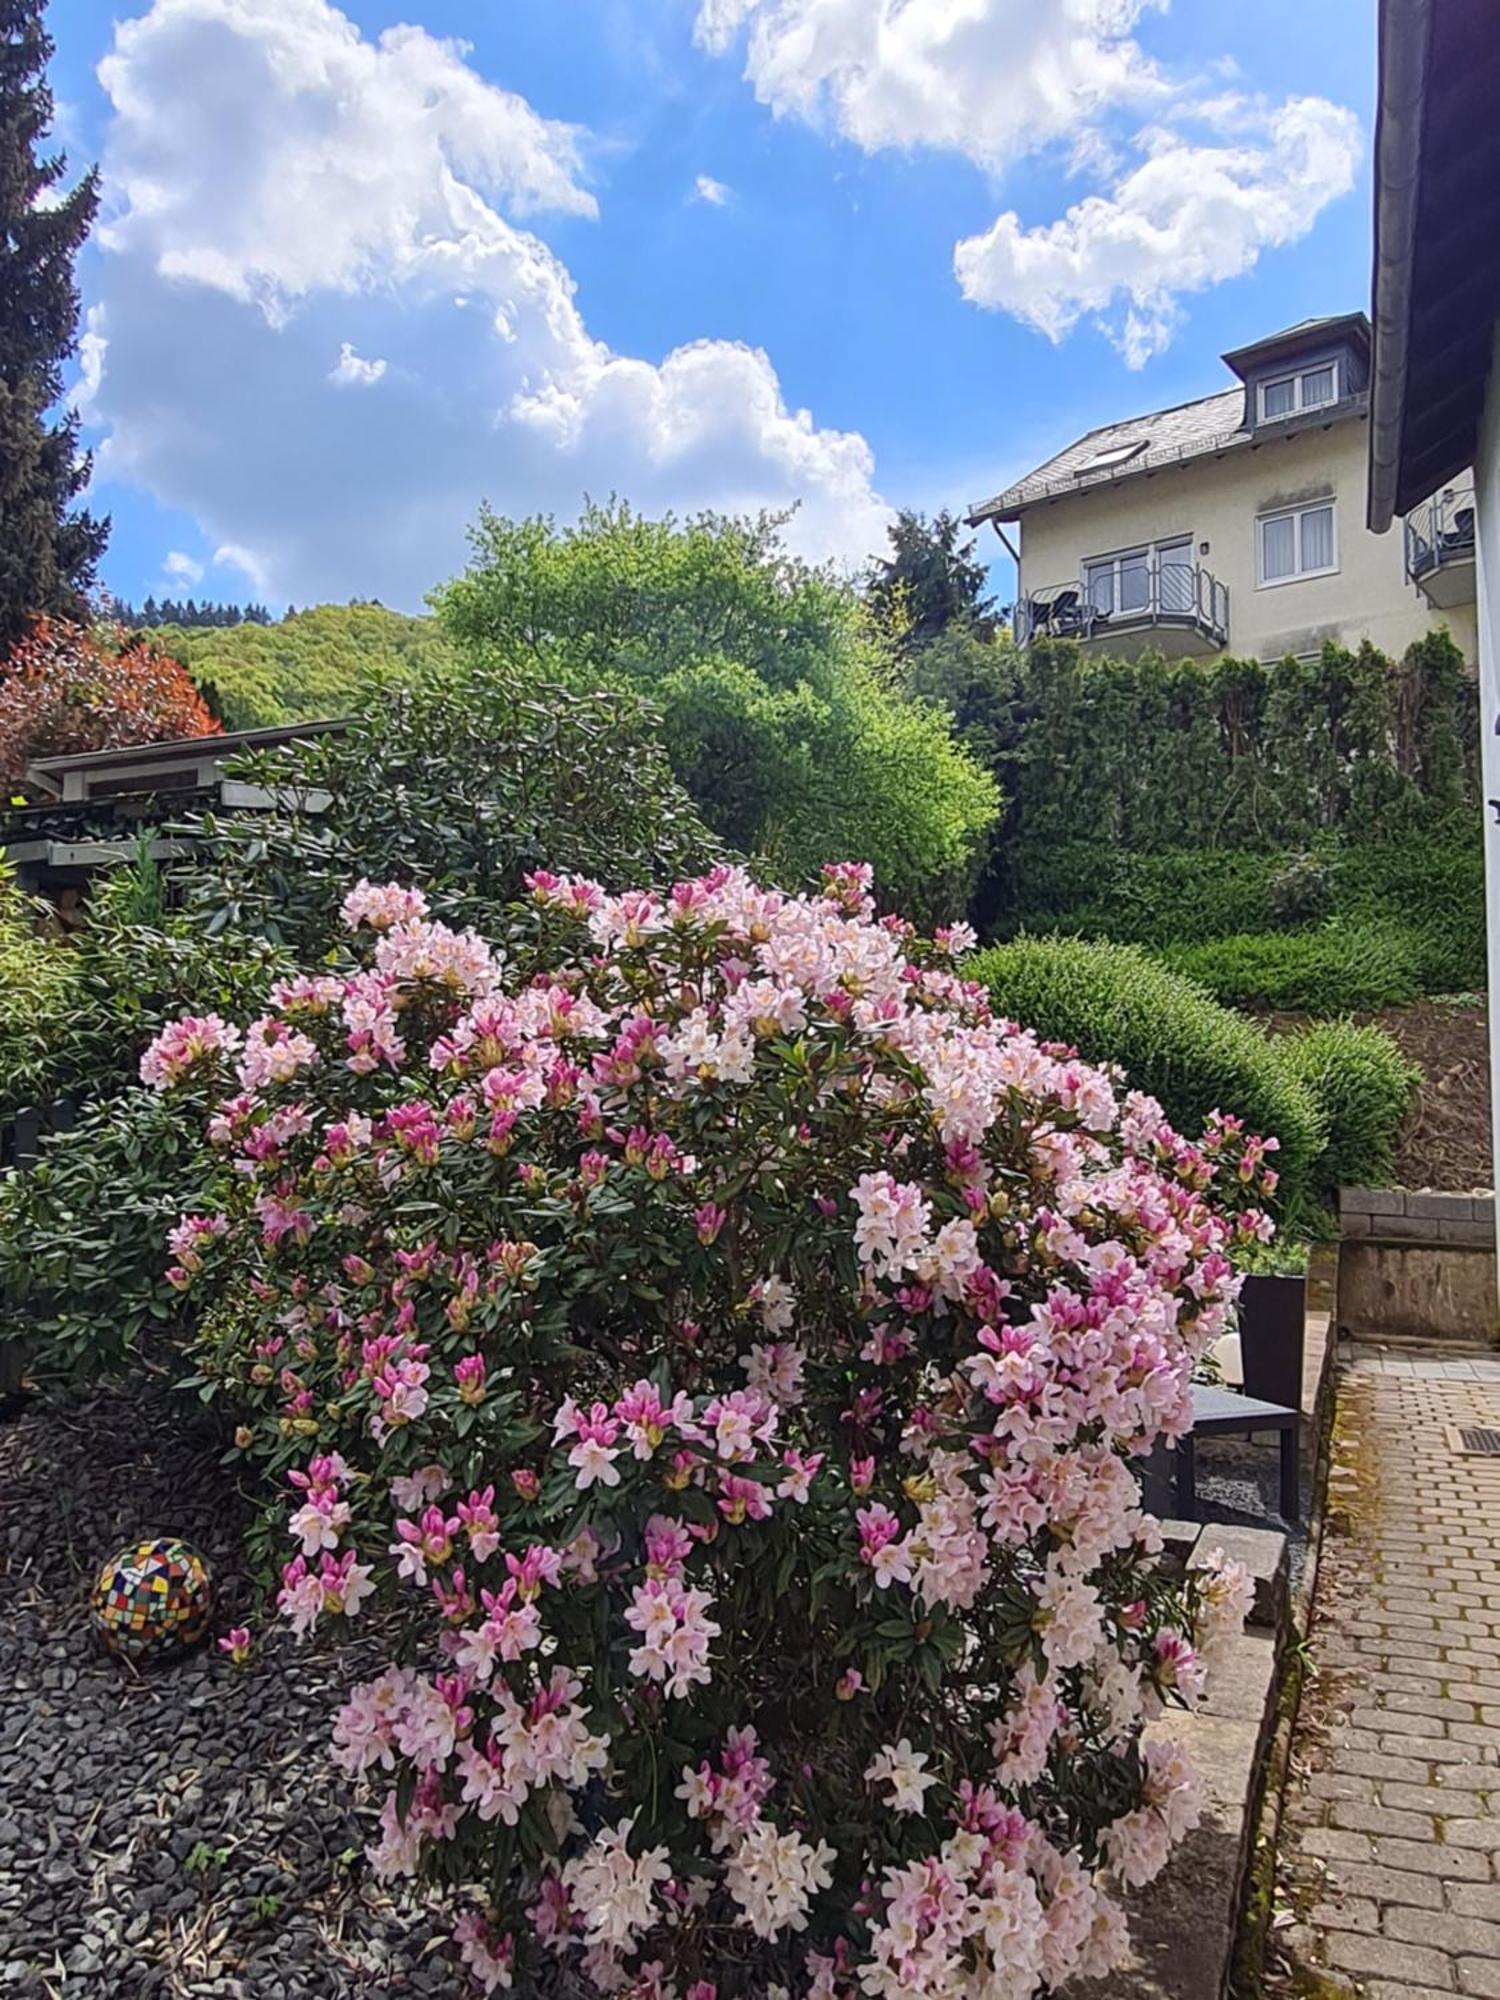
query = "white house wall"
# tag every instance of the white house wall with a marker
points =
(1487, 513)
(1217, 501)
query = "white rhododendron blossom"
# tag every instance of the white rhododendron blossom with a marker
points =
(735, 1347)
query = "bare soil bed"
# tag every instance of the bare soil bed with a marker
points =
(1445, 1141)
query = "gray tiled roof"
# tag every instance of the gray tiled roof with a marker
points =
(1189, 430)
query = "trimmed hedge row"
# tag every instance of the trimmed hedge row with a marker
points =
(1333, 1095)
(1328, 970)
(1115, 1003)
(1236, 753)
(1429, 885)
(1363, 1084)
(1332, 928)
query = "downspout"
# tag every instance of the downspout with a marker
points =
(1010, 550)
(1405, 33)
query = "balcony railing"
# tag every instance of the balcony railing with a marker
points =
(1181, 596)
(1440, 535)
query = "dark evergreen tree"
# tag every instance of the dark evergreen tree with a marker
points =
(48, 551)
(930, 581)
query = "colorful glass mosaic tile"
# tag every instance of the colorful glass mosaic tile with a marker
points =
(152, 1598)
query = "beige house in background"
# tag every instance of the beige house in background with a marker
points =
(1236, 523)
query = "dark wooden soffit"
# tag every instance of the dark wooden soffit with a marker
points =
(1437, 244)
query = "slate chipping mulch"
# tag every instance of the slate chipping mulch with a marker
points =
(1239, 1485)
(177, 1831)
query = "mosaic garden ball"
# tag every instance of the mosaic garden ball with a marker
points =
(153, 1598)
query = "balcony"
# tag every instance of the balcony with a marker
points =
(1177, 609)
(1440, 547)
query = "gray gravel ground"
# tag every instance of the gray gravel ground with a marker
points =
(1240, 1483)
(175, 1831)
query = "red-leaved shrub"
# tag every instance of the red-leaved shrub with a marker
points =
(74, 687)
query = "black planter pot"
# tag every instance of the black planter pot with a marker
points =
(1271, 1317)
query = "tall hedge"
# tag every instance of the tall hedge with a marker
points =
(1235, 753)
(1117, 1004)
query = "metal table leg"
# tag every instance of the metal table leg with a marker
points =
(1187, 1478)
(1290, 1497)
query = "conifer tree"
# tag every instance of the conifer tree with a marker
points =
(48, 551)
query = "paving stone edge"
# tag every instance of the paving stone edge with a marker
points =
(1245, 1970)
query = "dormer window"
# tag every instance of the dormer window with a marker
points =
(1308, 389)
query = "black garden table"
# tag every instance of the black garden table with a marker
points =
(1221, 1413)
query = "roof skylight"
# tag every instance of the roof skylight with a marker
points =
(1110, 457)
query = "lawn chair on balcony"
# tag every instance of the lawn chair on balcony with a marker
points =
(1071, 617)
(1038, 617)
(1459, 539)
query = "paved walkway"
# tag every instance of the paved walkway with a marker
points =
(1389, 1871)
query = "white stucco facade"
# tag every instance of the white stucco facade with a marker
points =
(1218, 500)
(1487, 531)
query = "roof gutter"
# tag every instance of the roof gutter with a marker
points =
(1405, 35)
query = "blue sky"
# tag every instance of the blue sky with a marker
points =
(363, 267)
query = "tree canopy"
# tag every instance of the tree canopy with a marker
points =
(187, 611)
(778, 694)
(48, 552)
(930, 582)
(306, 665)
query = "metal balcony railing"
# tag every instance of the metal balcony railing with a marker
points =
(1183, 595)
(1440, 533)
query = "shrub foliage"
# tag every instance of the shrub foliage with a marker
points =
(1178, 754)
(1363, 1084)
(738, 1340)
(1116, 1004)
(38, 996)
(1323, 970)
(777, 694)
(459, 785)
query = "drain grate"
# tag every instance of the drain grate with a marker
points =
(1474, 1440)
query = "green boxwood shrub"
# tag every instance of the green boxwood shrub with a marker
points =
(1333, 968)
(1421, 888)
(1117, 1004)
(1363, 1085)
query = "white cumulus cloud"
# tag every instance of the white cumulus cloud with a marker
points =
(281, 189)
(353, 371)
(992, 79)
(715, 193)
(182, 568)
(999, 81)
(1186, 217)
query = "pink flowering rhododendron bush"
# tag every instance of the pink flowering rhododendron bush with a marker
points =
(731, 1345)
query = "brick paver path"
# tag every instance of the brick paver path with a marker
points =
(1389, 1870)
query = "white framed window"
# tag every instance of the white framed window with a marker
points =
(1307, 389)
(1156, 577)
(1296, 542)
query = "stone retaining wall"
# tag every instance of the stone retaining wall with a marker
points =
(1418, 1266)
(1182, 1928)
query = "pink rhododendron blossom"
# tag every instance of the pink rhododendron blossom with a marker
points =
(719, 1336)
(185, 1045)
